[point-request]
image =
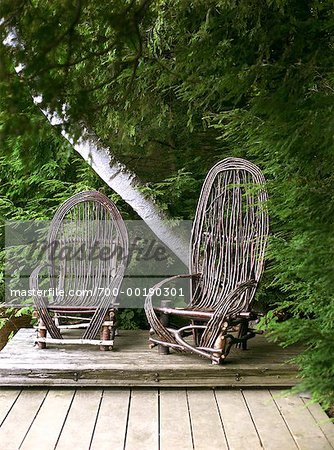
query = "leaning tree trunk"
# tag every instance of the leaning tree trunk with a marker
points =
(116, 175)
(127, 185)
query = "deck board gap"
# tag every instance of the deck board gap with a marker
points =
(221, 419)
(127, 419)
(97, 415)
(65, 418)
(284, 420)
(251, 417)
(11, 407)
(191, 426)
(33, 420)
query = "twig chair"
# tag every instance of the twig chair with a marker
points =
(227, 247)
(87, 249)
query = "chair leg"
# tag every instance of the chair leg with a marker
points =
(113, 329)
(56, 319)
(164, 319)
(163, 349)
(196, 333)
(41, 334)
(222, 344)
(108, 331)
(242, 332)
(219, 345)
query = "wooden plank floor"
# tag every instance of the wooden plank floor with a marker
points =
(160, 419)
(133, 364)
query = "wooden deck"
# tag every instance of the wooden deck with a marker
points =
(160, 419)
(133, 364)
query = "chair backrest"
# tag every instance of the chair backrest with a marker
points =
(87, 250)
(230, 232)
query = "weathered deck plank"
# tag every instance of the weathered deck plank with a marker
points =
(239, 427)
(143, 421)
(80, 422)
(50, 417)
(21, 416)
(110, 428)
(307, 434)
(7, 400)
(182, 419)
(272, 429)
(207, 429)
(175, 428)
(133, 364)
(322, 420)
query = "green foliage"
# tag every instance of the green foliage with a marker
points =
(32, 189)
(175, 193)
(131, 319)
(173, 85)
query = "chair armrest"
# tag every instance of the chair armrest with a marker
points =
(152, 318)
(230, 305)
(233, 296)
(167, 280)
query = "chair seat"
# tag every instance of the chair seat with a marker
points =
(72, 310)
(200, 314)
(186, 312)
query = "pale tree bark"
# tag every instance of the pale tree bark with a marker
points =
(116, 175)
(126, 184)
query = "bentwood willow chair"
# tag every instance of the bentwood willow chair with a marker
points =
(227, 249)
(87, 249)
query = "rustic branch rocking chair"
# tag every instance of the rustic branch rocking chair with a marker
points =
(87, 247)
(227, 248)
